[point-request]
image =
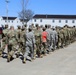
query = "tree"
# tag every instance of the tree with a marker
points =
(29, 14)
(25, 14)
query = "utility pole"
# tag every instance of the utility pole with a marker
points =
(7, 9)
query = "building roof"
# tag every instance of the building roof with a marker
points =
(55, 16)
(9, 18)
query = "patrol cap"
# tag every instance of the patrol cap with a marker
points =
(30, 29)
(25, 25)
(37, 25)
(74, 26)
(46, 26)
(53, 27)
(19, 26)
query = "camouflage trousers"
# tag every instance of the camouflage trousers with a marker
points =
(29, 50)
(21, 48)
(12, 48)
(2, 47)
(44, 47)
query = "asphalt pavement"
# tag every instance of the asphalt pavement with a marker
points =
(60, 62)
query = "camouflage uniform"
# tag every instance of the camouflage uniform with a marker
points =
(61, 35)
(58, 42)
(12, 43)
(18, 35)
(65, 36)
(4, 41)
(37, 33)
(21, 42)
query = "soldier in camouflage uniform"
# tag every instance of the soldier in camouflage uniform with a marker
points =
(18, 35)
(65, 35)
(58, 32)
(74, 32)
(4, 40)
(21, 42)
(37, 33)
(12, 43)
(61, 35)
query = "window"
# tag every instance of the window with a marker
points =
(5, 21)
(73, 21)
(53, 21)
(12, 21)
(66, 21)
(34, 20)
(59, 21)
(41, 20)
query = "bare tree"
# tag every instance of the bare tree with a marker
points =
(25, 14)
(29, 14)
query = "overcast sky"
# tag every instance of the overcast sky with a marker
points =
(65, 7)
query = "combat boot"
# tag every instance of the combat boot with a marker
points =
(0, 53)
(34, 58)
(8, 58)
(41, 56)
(24, 61)
(44, 54)
(17, 55)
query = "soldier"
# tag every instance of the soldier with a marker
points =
(41, 28)
(74, 32)
(49, 37)
(54, 38)
(21, 42)
(58, 32)
(18, 35)
(30, 44)
(23, 39)
(33, 27)
(44, 41)
(65, 35)
(4, 40)
(37, 33)
(61, 38)
(12, 43)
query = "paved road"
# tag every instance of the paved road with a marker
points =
(61, 62)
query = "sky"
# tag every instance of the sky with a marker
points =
(57, 7)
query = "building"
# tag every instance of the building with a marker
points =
(53, 20)
(11, 21)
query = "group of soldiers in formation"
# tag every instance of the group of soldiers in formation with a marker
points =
(34, 42)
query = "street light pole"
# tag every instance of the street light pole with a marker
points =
(7, 9)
